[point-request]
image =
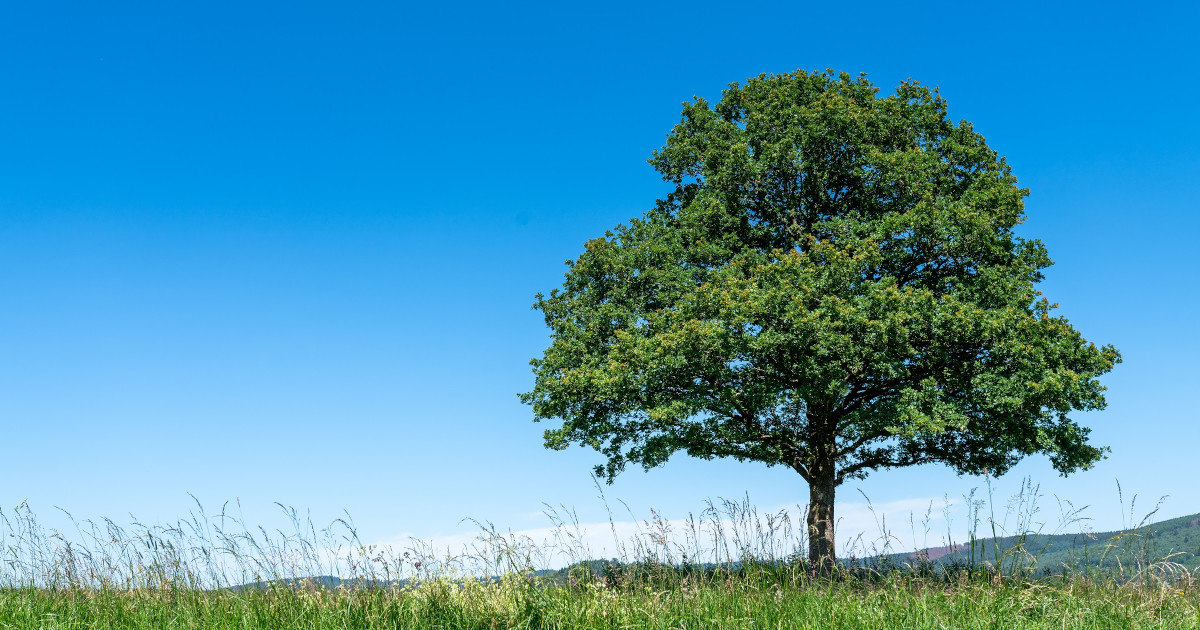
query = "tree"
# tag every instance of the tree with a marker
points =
(833, 285)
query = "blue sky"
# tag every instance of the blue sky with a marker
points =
(286, 251)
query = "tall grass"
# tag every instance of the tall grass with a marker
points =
(727, 566)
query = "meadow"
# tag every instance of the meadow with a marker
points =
(726, 567)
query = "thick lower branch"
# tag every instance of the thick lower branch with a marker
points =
(883, 462)
(792, 454)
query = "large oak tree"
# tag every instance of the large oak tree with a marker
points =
(833, 285)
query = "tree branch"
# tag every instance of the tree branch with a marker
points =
(882, 462)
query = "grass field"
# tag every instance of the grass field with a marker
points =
(216, 572)
(767, 599)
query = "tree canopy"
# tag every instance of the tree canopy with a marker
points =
(833, 285)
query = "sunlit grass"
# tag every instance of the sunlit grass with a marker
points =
(728, 568)
(744, 601)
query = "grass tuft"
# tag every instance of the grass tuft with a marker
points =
(728, 567)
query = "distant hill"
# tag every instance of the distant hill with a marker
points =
(317, 581)
(333, 582)
(1175, 540)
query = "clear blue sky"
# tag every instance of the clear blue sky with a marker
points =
(286, 251)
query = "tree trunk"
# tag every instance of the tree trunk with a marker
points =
(821, 553)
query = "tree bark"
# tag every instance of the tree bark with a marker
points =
(821, 552)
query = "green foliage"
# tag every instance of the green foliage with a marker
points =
(833, 285)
